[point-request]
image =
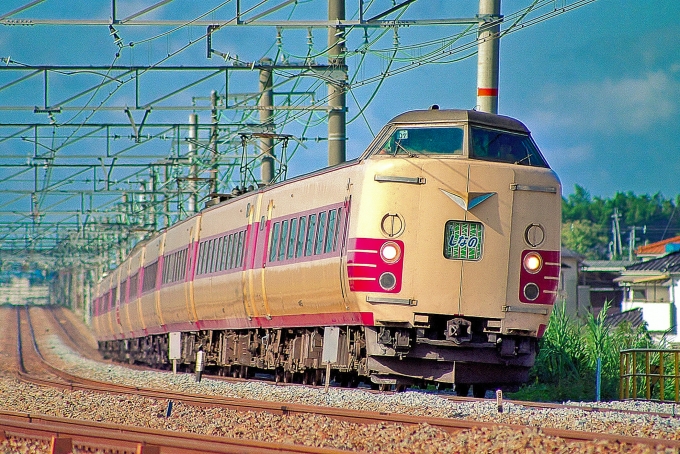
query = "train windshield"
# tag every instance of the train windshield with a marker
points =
(501, 146)
(415, 141)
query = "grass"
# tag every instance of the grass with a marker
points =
(566, 361)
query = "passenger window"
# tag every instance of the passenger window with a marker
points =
(211, 256)
(293, 237)
(311, 231)
(241, 237)
(284, 240)
(201, 258)
(330, 237)
(231, 254)
(300, 247)
(321, 233)
(274, 242)
(227, 250)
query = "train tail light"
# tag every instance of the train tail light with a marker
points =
(390, 252)
(387, 281)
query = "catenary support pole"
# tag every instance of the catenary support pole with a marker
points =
(488, 56)
(336, 89)
(265, 104)
(193, 173)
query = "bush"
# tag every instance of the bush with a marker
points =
(565, 367)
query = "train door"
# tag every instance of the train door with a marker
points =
(342, 237)
(189, 273)
(252, 278)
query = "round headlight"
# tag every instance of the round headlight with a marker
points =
(533, 262)
(390, 252)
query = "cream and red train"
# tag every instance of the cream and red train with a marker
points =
(436, 255)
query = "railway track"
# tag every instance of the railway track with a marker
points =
(451, 426)
(63, 320)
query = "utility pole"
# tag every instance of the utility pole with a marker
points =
(336, 89)
(488, 56)
(213, 146)
(266, 104)
(193, 171)
(617, 249)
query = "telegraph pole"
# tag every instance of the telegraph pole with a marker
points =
(488, 55)
(266, 104)
(336, 90)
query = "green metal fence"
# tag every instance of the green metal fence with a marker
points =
(650, 374)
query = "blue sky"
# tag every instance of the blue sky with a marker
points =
(598, 86)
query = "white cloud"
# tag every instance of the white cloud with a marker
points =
(630, 105)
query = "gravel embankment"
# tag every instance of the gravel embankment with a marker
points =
(319, 430)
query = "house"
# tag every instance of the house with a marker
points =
(574, 303)
(654, 286)
(658, 249)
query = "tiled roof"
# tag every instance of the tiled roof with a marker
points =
(657, 248)
(634, 317)
(668, 263)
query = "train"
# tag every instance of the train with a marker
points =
(432, 258)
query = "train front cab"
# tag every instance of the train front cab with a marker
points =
(466, 224)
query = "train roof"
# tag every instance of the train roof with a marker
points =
(455, 115)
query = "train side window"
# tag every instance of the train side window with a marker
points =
(293, 237)
(330, 236)
(239, 251)
(284, 240)
(233, 240)
(216, 255)
(234, 251)
(209, 257)
(311, 232)
(220, 254)
(133, 286)
(199, 259)
(300, 246)
(338, 229)
(321, 233)
(274, 242)
(181, 264)
(225, 257)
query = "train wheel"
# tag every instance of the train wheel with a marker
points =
(384, 387)
(462, 389)
(287, 377)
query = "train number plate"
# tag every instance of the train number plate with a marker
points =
(463, 240)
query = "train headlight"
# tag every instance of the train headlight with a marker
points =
(390, 252)
(533, 262)
(387, 281)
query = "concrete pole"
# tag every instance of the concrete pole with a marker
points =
(488, 58)
(266, 103)
(213, 145)
(336, 92)
(193, 171)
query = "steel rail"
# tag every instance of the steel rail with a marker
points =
(121, 438)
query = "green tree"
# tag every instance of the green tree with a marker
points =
(585, 237)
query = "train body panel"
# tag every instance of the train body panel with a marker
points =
(150, 298)
(133, 307)
(436, 253)
(175, 297)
